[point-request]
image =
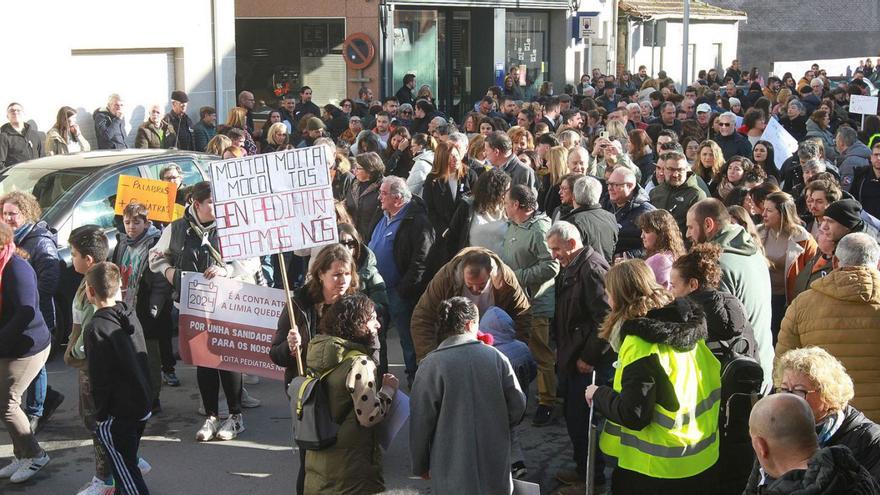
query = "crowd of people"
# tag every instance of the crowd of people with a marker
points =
(620, 244)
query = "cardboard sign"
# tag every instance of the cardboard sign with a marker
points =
(229, 325)
(277, 202)
(157, 195)
(784, 144)
(863, 105)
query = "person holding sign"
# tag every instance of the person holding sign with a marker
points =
(190, 244)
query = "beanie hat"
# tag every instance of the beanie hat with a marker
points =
(315, 124)
(846, 212)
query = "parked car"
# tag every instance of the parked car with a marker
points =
(76, 190)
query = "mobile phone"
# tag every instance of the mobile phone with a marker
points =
(603, 135)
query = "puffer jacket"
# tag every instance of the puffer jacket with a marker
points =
(726, 319)
(841, 314)
(800, 249)
(831, 471)
(629, 239)
(449, 282)
(856, 156)
(109, 130)
(527, 254)
(41, 245)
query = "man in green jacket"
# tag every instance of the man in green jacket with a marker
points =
(679, 191)
(527, 254)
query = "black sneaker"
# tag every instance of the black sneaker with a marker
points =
(518, 470)
(543, 415)
(53, 402)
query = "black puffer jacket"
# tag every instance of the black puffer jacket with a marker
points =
(726, 318)
(18, 147)
(831, 471)
(862, 436)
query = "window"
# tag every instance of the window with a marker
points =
(415, 45)
(96, 207)
(527, 43)
(191, 173)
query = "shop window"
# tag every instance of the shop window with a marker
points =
(527, 47)
(415, 45)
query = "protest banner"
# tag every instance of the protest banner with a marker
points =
(229, 325)
(157, 195)
(863, 105)
(273, 203)
(784, 144)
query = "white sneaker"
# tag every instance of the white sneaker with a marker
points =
(144, 466)
(223, 413)
(97, 487)
(29, 468)
(250, 379)
(248, 401)
(11, 468)
(231, 427)
(208, 430)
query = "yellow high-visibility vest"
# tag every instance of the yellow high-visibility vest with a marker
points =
(676, 444)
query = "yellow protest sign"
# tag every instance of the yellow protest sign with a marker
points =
(157, 195)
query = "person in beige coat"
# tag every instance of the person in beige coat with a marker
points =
(65, 137)
(841, 314)
(155, 132)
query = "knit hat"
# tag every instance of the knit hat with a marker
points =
(179, 96)
(734, 101)
(315, 124)
(846, 212)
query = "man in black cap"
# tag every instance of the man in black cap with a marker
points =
(608, 100)
(178, 120)
(841, 218)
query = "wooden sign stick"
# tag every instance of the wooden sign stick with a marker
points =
(290, 308)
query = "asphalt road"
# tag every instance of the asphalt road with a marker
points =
(261, 460)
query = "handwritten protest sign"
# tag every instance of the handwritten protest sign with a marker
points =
(157, 195)
(784, 144)
(273, 203)
(864, 105)
(229, 325)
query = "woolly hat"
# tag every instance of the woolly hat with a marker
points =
(846, 212)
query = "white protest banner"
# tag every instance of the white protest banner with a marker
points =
(277, 202)
(229, 325)
(863, 105)
(784, 144)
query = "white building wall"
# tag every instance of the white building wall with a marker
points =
(78, 53)
(603, 49)
(704, 37)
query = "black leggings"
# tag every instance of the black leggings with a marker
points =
(209, 380)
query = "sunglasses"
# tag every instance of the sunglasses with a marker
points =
(351, 243)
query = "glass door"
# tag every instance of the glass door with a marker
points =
(415, 48)
(459, 66)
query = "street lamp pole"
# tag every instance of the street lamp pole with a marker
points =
(686, 21)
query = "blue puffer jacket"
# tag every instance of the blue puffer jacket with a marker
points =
(41, 245)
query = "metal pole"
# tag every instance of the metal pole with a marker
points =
(685, 42)
(590, 57)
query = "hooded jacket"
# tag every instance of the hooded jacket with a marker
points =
(745, 275)
(118, 371)
(726, 318)
(841, 314)
(18, 147)
(598, 228)
(677, 200)
(527, 254)
(831, 471)
(629, 239)
(109, 130)
(449, 282)
(142, 289)
(857, 155)
(41, 245)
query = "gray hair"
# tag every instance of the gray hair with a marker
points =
(667, 104)
(397, 187)
(565, 231)
(858, 249)
(632, 106)
(800, 106)
(587, 191)
(459, 140)
(629, 176)
(808, 149)
(814, 165)
(728, 115)
(734, 101)
(848, 135)
(113, 98)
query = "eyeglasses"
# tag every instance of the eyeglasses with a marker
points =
(795, 391)
(724, 124)
(406, 112)
(171, 177)
(350, 244)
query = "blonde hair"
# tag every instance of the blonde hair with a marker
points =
(26, 202)
(824, 370)
(218, 144)
(237, 117)
(277, 126)
(477, 145)
(557, 163)
(570, 138)
(717, 163)
(632, 291)
(617, 131)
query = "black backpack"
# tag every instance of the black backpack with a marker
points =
(313, 424)
(741, 380)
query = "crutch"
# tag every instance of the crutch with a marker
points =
(591, 446)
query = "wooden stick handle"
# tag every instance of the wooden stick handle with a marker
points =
(290, 312)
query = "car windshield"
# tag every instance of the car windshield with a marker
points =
(48, 185)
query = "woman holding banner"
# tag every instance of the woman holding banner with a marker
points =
(332, 276)
(190, 244)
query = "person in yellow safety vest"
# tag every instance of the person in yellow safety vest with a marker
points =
(662, 412)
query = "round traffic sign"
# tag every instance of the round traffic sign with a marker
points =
(358, 51)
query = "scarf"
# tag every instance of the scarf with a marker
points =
(204, 233)
(614, 339)
(829, 426)
(6, 253)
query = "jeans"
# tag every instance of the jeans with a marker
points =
(121, 438)
(401, 309)
(577, 415)
(36, 394)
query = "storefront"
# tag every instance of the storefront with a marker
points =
(459, 48)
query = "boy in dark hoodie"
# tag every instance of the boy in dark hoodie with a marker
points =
(119, 376)
(148, 293)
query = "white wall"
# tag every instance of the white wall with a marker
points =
(78, 53)
(703, 34)
(604, 46)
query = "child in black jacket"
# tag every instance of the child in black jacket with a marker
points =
(119, 375)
